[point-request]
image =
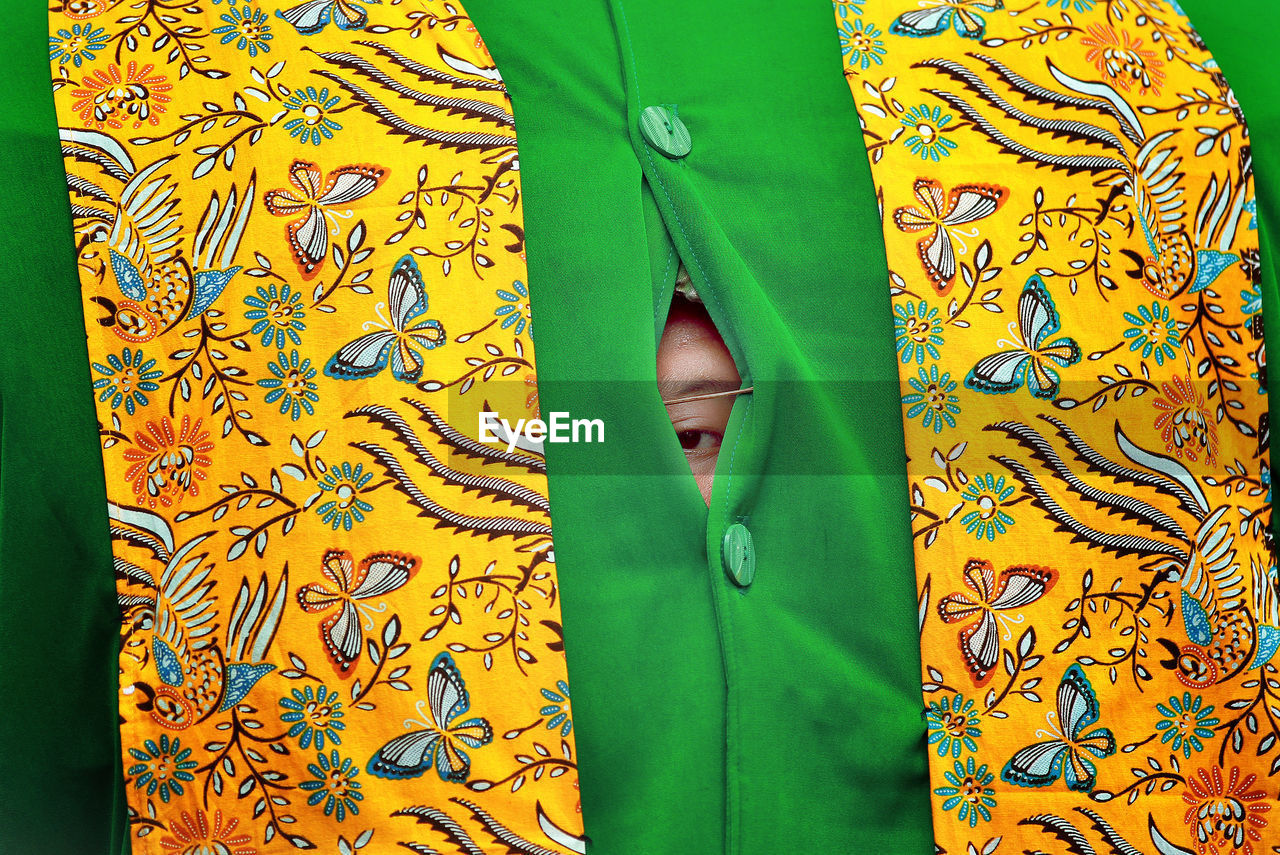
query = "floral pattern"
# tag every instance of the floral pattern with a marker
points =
(118, 98)
(198, 834)
(333, 785)
(1101, 507)
(313, 715)
(1139, 553)
(1153, 333)
(77, 45)
(163, 767)
(1186, 426)
(926, 128)
(861, 44)
(247, 29)
(932, 399)
(267, 330)
(126, 379)
(311, 115)
(918, 331)
(341, 506)
(953, 725)
(167, 464)
(987, 493)
(1186, 723)
(292, 384)
(557, 708)
(277, 314)
(967, 792)
(1225, 815)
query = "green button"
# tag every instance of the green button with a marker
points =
(663, 131)
(739, 555)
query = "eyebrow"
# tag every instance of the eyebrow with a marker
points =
(675, 392)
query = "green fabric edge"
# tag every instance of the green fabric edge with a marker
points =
(63, 791)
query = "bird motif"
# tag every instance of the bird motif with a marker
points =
(145, 240)
(198, 676)
(1219, 630)
(1192, 545)
(1123, 160)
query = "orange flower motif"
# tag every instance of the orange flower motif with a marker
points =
(1122, 58)
(83, 10)
(1185, 423)
(531, 400)
(193, 835)
(166, 465)
(1225, 817)
(112, 97)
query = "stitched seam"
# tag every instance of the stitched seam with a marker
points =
(680, 225)
(732, 823)
(658, 305)
(742, 428)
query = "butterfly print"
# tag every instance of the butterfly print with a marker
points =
(313, 16)
(396, 342)
(937, 16)
(1030, 358)
(313, 204)
(376, 576)
(942, 213)
(1066, 754)
(1016, 587)
(440, 742)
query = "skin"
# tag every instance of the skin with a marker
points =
(693, 360)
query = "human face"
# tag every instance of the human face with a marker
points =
(693, 360)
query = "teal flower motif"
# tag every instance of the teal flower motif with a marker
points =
(927, 127)
(312, 122)
(1185, 723)
(77, 45)
(558, 709)
(987, 520)
(248, 28)
(342, 505)
(291, 385)
(917, 331)
(1078, 5)
(515, 309)
(276, 313)
(313, 715)
(1153, 331)
(1250, 301)
(845, 8)
(861, 44)
(953, 725)
(969, 791)
(334, 784)
(933, 399)
(1251, 207)
(126, 378)
(163, 767)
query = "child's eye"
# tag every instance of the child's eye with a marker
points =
(699, 440)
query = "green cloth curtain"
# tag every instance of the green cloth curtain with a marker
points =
(779, 717)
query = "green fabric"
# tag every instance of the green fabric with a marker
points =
(783, 717)
(61, 791)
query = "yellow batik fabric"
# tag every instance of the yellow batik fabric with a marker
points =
(1068, 217)
(301, 252)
